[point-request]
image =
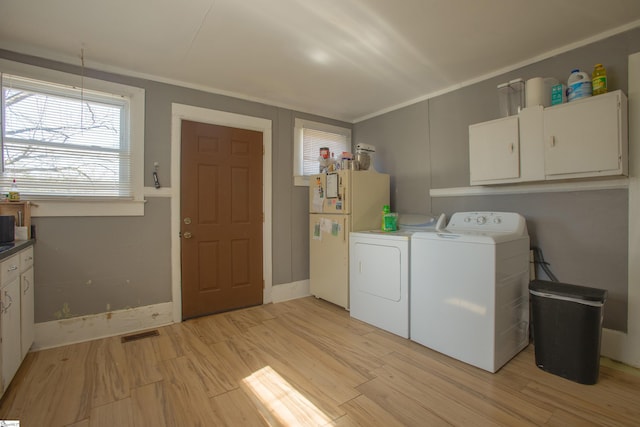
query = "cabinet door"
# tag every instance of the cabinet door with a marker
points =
(583, 138)
(494, 151)
(27, 325)
(11, 350)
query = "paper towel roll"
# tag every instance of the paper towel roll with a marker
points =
(538, 91)
(534, 92)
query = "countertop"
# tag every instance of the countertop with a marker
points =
(8, 249)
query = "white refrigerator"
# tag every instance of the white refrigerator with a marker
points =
(340, 202)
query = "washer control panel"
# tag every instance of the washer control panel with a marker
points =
(506, 222)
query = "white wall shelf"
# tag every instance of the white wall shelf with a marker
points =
(546, 187)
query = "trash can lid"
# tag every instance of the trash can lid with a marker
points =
(569, 291)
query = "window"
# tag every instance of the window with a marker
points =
(67, 143)
(309, 137)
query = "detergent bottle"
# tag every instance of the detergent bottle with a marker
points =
(599, 80)
(578, 85)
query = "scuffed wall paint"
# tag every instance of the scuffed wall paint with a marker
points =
(64, 312)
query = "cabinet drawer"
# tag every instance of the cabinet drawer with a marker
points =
(26, 259)
(9, 269)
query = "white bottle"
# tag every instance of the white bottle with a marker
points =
(578, 85)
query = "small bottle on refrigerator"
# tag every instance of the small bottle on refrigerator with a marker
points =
(14, 194)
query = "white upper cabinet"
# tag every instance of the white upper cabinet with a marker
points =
(507, 150)
(494, 151)
(584, 138)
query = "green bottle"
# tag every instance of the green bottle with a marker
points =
(385, 210)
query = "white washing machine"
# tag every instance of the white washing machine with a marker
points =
(379, 274)
(469, 297)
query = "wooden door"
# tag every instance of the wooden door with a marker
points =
(221, 218)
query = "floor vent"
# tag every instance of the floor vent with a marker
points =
(140, 336)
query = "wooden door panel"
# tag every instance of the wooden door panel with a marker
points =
(240, 262)
(208, 182)
(208, 267)
(221, 194)
(240, 195)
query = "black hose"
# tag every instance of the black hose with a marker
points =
(538, 259)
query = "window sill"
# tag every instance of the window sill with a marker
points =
(48, 208)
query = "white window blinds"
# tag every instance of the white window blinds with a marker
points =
(63, 141)
(316, 139)
(310, 137)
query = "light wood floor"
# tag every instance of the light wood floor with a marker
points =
(302, 362)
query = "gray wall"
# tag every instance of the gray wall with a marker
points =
(95, 264)
(401, 139)
(583, 235)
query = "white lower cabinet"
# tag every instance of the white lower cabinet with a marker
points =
(17, 312)
(27, 301)
(10, 319)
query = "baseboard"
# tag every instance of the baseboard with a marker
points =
(618, 346)
(86, 328)
(288, 291)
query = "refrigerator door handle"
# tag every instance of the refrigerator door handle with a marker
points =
(344, 229)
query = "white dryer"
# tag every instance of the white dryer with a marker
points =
(469, 297)
(379, 274)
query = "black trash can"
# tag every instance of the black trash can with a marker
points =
(567, 327)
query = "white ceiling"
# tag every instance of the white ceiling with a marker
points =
(346, 59)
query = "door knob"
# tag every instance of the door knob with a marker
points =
(187, 220)
(187, 235)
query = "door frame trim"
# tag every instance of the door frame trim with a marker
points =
(181, 112)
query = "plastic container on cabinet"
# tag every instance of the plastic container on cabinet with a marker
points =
(599, 80)
(578, 85)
